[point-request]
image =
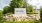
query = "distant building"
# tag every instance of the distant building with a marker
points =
(36, 10)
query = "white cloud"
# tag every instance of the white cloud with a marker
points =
(36, 3)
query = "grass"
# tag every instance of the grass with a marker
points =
(22, 21)
(19, 22)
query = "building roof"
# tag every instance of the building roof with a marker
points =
(36, 7)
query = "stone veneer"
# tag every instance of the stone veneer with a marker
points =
(20, 17)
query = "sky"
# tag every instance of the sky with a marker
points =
(4, 3)
(36, 3)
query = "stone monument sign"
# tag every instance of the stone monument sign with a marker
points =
(20, 10)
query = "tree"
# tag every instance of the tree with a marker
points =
(6, 9)
(26, 5)
(13, 4)
(29, 8)
(41, 13)
(16, 4)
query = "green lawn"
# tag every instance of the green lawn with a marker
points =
(22, 22)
